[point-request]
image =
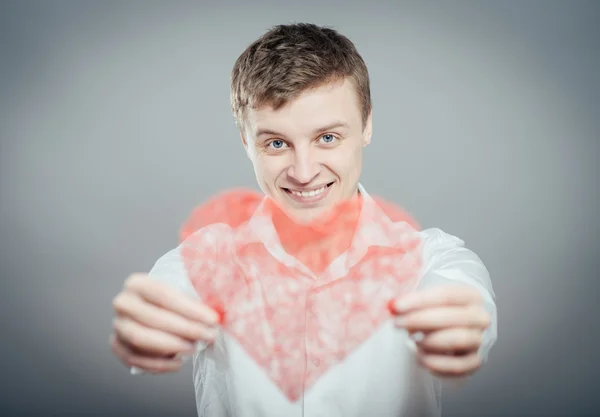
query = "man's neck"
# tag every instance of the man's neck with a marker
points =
(318, 243)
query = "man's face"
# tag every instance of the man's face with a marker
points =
(307, 155)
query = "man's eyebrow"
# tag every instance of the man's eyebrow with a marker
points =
(334, 125)
(262, 132)
(331, 126)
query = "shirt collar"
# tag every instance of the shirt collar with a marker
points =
(374, 228)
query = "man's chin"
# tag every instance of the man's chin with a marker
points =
(303, 215)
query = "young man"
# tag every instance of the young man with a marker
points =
(301, 99)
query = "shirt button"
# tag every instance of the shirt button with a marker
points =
(316, 362)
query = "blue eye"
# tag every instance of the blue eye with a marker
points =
(328, 138)
(277, 144)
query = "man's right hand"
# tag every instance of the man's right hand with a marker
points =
(156, 324)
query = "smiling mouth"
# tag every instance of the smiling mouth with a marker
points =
(309, 195)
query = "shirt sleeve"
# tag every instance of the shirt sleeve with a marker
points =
(447, 261)
(170, 269)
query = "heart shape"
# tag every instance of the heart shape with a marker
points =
(293, 326)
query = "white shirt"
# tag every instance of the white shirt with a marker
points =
(242, 374)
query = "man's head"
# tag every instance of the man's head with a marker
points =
(301, 99)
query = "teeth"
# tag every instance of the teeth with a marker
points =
(309, 193)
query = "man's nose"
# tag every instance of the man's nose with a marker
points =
(304, 167)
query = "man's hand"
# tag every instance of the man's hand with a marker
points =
(155, 323)
(447, 324)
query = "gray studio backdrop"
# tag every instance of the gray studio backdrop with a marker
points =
(115, 122)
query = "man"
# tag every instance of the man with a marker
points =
(301, 99)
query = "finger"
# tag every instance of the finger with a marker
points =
(147, 363)
(431, 319)
(132, 306)
(450, 295)
(149, 341)
(450, 366)
(451, 340)
(171, 299)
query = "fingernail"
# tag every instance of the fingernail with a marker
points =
(399, 306)
(418, 337)
(188, 347)
(212, 333)
(402, 305)
(399, 322)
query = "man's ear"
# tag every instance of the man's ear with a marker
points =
(368, 130)
(245, 143)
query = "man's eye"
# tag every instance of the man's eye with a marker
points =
(328, 138)
(277, 144)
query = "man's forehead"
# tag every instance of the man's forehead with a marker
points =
(324, 107)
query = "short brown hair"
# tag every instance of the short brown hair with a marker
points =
(290, 59)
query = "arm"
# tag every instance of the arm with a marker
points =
(447, 262)
(452, 315)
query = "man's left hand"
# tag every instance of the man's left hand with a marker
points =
(447, 324)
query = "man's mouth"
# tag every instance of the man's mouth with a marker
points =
(309, 195)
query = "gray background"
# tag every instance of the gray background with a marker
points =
(115, 121)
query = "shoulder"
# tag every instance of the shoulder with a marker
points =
(447, 255)
(437, 244)
(438, 247)
(436, 239)
(395, 212)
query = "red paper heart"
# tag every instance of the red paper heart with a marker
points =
(296, 327)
